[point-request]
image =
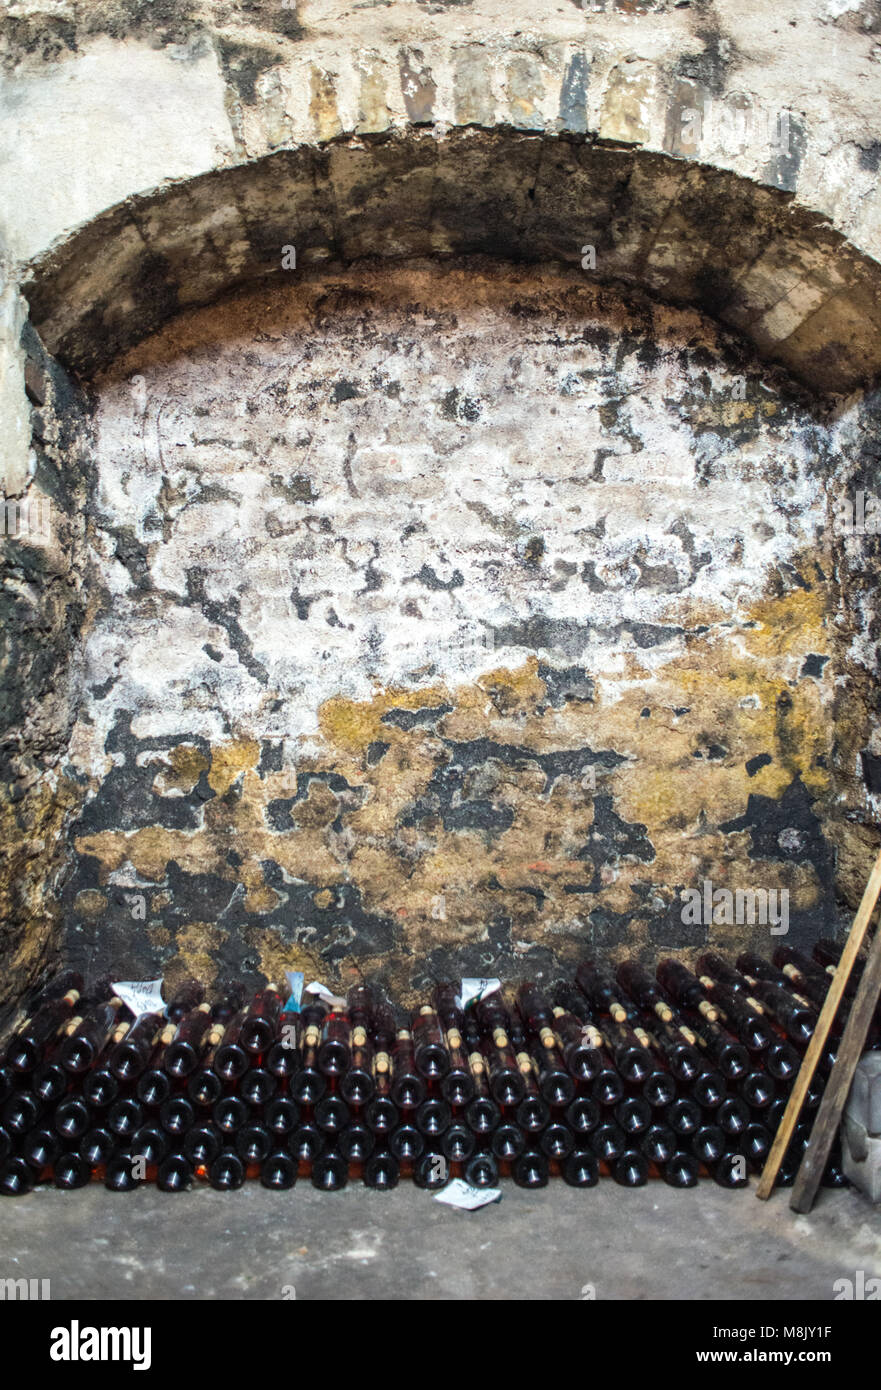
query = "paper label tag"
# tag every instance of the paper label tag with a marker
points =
(474, 989)
(295, 982)
(459, 1194)
(332, 1001)
(141, 996)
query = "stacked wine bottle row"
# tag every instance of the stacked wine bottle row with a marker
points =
(678, 1076)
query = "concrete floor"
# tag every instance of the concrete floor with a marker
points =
(647, 1243)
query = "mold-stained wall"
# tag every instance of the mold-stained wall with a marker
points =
(449, 618)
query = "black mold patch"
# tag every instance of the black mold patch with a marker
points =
(243, 64)
(573, 94)
(415, 718)
(225, 615)
(572, 685)
(871, 772)
(813, 665)
(754, 765)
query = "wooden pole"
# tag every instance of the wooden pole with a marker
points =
(821, 1033)
(838, 1086)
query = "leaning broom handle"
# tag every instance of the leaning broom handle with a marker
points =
(821, 1032)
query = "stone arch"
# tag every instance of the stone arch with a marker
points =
(691, 234)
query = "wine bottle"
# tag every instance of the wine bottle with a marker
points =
(742, 1014)
(193, 1035)
(433, 1116)
(631, 1168)
(458, 1142)
(177, 1115)
(531, 1169)
(798, 1020)
(100, 1086)
(730, 1171)
(686, 989)
(681, 1170)
(97, 1144)
(507, 1142)
(457, 1087)
(631, 1057)
(151, 1143)
(227, 1171)
(356, 1142)
(406, 1143)
(252, 1142)
(381, 1171)
(608, 1141)
(309, 1084)
(582, 1116)
(683, 1116)
(633, 1114)
(129, 1058)
(659, 1143)
(306, 1142)
(283, 1058)
(124, 1118)
(733, 1117)
(356, 1085)
(583, 1058)
(556, 1141)
(229, 1114)
(332, 1114)
(280, 1116)
(430, 1172)
(72, 1118)
(482, 1170)
(408, 1088)
(187, 996)
(708, 1144)
(429, 1048)
(709, 1089)
(153, 1086)
(330, 1171)
(258, 1086)
(645, 992)
(505, 1081)
(533, 1111)
(757, 1089)
(27, 1047)
(482, 1113)
(278, 1171)
(202, 1144)
(16, 1177)
(334, 1050)
(260, 1023)
(22, 1111)
(41, 1147)
(581, 1169)
(80, 1048)
(71, 1171)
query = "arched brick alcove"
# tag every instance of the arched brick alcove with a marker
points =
(429, 813)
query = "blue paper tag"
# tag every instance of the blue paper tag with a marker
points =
(295, 980)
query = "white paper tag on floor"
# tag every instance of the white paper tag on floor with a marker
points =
(459, 1194)
(474, 989)
(141, 996)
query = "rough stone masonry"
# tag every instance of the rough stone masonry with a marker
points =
(448, 602)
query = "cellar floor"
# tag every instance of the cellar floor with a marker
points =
(647, 1243)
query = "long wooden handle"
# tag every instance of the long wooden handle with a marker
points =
(821, 1033)
(838, 1086)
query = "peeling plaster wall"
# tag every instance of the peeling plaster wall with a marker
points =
(42, 604)
(449, 619)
